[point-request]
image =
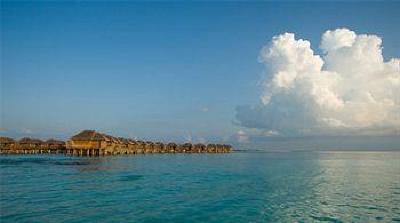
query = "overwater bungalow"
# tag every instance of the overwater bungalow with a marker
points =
(172, 147)
(227, 148)
(121, 146)
(140, 146)
(211, 148)
(92, 143)
(114, 145)
(132, 145)
(7, 145)
(148, 147)
(218, 148)
(159, 147)
(28, 145)
(89, 142)
(53, 146)
(199, 148)
(186, 148)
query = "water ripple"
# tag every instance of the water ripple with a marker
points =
(238, 187)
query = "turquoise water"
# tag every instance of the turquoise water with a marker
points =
(237, 187)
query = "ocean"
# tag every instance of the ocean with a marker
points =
(236, 187)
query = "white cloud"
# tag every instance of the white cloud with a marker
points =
(188, 137)
(349, 89)
(271, 133)
(242, 137)
(333, 40)
(194, 138)
(26, 131)
(201, 140)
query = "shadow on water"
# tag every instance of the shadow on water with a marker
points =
(81, 164)
(130, 178)
(44, 161)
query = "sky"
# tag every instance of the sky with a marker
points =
(200, 71)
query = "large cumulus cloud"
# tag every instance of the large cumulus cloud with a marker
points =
(350, 89)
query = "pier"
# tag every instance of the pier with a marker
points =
(93, 143)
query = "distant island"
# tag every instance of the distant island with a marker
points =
(92, 143)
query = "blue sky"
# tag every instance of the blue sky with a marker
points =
(167, 71)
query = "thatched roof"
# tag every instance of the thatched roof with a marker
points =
(111, 138)
(55, 142)
(6, 139)
(27, 140)
(131, 141)
(36, 141)
(172, 144)
(159, 145)
(116, 140)
(199, 145)
(107, 138)
(123, 140)
(227, 146)
(89, 135)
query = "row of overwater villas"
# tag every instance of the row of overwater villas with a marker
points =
(92, 143)
(30, 146)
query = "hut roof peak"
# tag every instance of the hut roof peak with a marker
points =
(89, 135)
(54, 141)
(4, 139)
(30, 140)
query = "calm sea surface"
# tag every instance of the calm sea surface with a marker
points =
(237, 187)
